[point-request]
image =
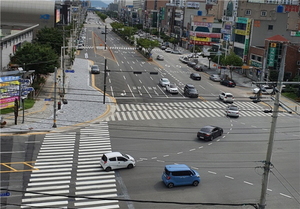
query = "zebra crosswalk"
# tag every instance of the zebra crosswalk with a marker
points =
(198, 109)
(69, 174)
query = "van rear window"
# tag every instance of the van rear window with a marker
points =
(104, 158)
(167, 171)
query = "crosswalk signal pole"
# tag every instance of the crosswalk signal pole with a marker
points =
(104, 89)
(105, 31)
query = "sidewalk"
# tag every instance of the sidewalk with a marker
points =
(84, 105)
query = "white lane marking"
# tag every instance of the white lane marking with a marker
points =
(285, 195)
(160, 161)
(229, 177)
(270, 190)
(179, 153)
(246, 182)
(165, 155)
(192, 150)
(200, 147)
(212, 172)
(209, 144)
(154, 158)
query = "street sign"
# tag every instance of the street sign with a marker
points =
(28, 89)
(70, 71)
(47, 99)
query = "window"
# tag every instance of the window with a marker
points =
(112, 159)
(263, 13)
(298, 62)
(253, 56)
(216, 30)
(248, 12)
(270, 27)
(258, 58)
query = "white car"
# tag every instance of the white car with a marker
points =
(80, 46)
(163, 82)
(264, 90)
(226, 97)
(172, 88)
(168, 50)
(232, 111)
(116, 160)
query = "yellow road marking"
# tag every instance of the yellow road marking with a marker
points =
(27, 163)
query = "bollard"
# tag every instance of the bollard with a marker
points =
(59, 105)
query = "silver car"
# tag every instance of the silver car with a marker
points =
(215, 77)
(163, 82)
(172, 88)
(232, 111)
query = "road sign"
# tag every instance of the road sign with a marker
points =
(28, 89)
(47, 99)
(70, 71)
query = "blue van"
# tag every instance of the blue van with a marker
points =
(180, 174)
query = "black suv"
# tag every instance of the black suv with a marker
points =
(229, 83)
(190, 91)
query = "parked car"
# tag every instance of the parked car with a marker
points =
(232, 111)
(226, 97)
(179, 175)
(195, 76)
(116, 160)
(163, 47)
(164, 81)
(193, 55)
(215, 77)
(265, 89)
(172, 88)
(229, 83)
(160, 57)
(95, 69)
(198, 67)
(191, 63)
(80, 46)
(184, 59)
(103, 32)
(208, 133)
(176, 52)
(190, 91)
(168, 50)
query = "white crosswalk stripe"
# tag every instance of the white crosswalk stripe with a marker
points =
(151, 111)
(60, 156)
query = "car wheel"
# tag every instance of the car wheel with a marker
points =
(170, 185)
(195, 183)
(107, 169)
(130, 166)
(211, 138)
(221, 132)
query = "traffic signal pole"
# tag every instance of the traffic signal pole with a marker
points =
(267, 163)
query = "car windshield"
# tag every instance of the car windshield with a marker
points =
(197, 75)
(233, 108)
(206, 129)
(229, 95)
(193, 91)
(172, 86)
(164, 80)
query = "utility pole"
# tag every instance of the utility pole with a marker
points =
(105, 29)
(104, 89)
(54, 103)
(267, 162)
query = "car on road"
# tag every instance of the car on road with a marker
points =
(215, 77)
(95, 69)
(168, 50)
(99, 28)
(163, 82)
(116, 160)
(160, 57)
(226, 97)
(232, 111)
(179, 175)
(208, 133)
(163, 47)
(172, 88)
(193, 55)
(176, 52)
(103, 32)
(191, 63)
(198, 67)
(183, 59)
(227, 82)
(80, 46)
(190, 91)
(265, 89)
(195, 76)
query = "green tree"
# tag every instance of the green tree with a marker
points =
(38, 57)
(52, 37)
(148, 45)
(233, 61)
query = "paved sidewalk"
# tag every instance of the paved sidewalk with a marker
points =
(85, 104)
